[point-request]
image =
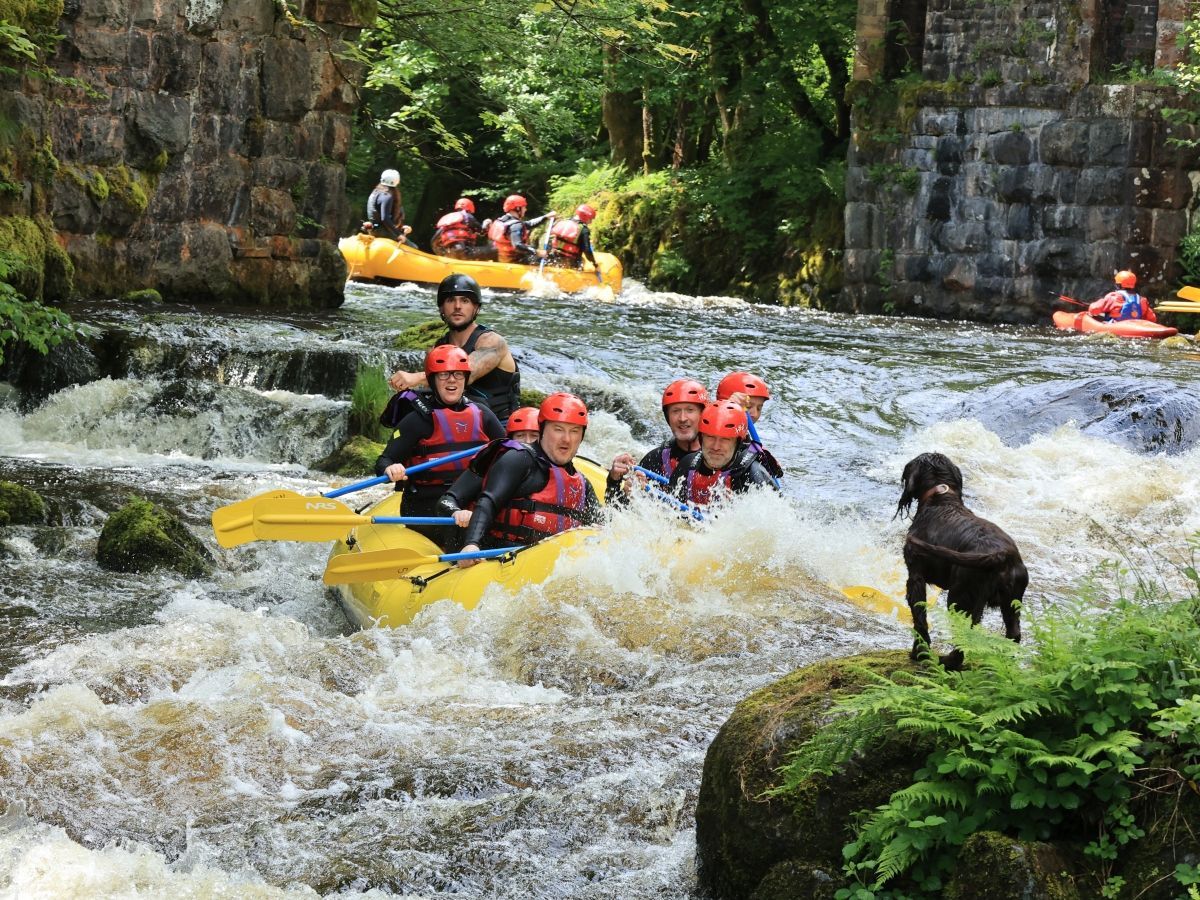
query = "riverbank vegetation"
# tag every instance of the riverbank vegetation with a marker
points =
(1087, 737)
(711, 134)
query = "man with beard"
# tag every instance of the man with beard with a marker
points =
(495, 379)
(719, 469)
(682, 403)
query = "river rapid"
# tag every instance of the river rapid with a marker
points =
(233, 736)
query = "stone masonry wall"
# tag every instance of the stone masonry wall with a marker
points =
(1000, 173)
(206, 160)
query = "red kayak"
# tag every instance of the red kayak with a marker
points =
(1130, 328)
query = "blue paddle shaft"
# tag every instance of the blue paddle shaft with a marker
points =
(477, 554)
(412, 520)
(661, 479)
(383, 479)
(667, 498)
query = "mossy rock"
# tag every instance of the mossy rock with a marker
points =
(149, 295)
(531, 397)
(992, 866)
(742, 836)
(141, 536)
(32, 241)
(1168, 818)
(419, 337)
(20, 506)
(354, 459)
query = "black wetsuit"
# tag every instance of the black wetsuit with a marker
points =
(499, 391)
(653, 461)
(516, 474)
(422, 499)
(744, 473)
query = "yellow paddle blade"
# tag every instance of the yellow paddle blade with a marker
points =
(373, 565)
(304, 519)
(234, 524)
(878, 602)
(1190, 293)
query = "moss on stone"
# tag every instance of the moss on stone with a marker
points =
(992, 866)
(141, 536)
(354, 459)
(159, 164)
(35, 16)
(29, 240)
(127, 190)
(20, 506)
(419, 337)
(148, 295)
(741, 835)
(97, 186)
(531, 397)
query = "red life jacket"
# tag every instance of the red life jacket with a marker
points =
(455, 229)
(453, 430)
(700, 488)
(498, 235)
(556, 507)
(564, 239)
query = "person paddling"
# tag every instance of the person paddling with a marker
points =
(495, 379)
(510, 233)
(1123, 303)
(751, 393)
(720, 468)
(682, 403)
(385, 208)
(439, 423)
(570, 240)
(457, 234)
(522, 429)
(535, 491)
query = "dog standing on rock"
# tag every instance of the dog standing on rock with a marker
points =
(949, 546)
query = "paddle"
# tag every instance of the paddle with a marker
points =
(678, 504)
(754, 437)
(317, 519)
(661, 479)
(1069, 299)
(233, 524)
(876, 601)
(1189, 293)
(1176, 306)
(546, 246)
(381, 565)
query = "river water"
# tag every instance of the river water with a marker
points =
(234, 736)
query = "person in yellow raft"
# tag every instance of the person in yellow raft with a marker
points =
(571, 241)
(1123, 303)
(720, 468)
(533, 492)
(682, 403)
(751, 393)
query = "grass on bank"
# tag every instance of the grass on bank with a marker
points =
(1057, 739)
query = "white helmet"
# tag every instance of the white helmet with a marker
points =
(389, 178)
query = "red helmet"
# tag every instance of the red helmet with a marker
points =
(685, 391)
(446, 358)
(514, 201)
(744, 383)
(723, 419)
(565, 408)
(584, 213)
(465, 204)
(1125, 279)
(523, 419)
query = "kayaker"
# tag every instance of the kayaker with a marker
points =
(385, 209)
(440, 422)
(682, 403)
(510, 233)
(720, 468)
(570, 240)
(535, 491)
(1123, 303)
(457, 234)
(522, 429)
(751, 393)
(495, 379)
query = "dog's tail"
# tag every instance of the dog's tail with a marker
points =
(993, 560)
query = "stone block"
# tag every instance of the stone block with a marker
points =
(331, 92)
(1019, 223)
(98, 46)
(146, 14)
(276, 172)
(74, 209)
(1160, 188)
(994, 265)
(1053, 257)
(287, 80)
(949, 155)
(1170, 225)
(215, 190)
(961, 277)
(101, 139)
(248, 16)
(915, 267)
(171, 201)
(176, 63)
(221, 70)
(1011, 148)
(335, 143)
(160, 123)
(1015, 184)
(1063, 143)
(938, 206)
(106, 13)
(940, 121)
(1108, 143)
(1105, 223)
(272, 212)
(1103, 187)
(962, 237)
(859, 223)
(1062, 221)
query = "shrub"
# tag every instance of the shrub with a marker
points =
(369, 397)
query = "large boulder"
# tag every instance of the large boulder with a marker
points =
(749, 845)
(992, 866)
(20, 506)
(141, 536)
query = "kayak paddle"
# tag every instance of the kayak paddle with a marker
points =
(1067, 299)
(381, 565)
(1189, 293)
(320, 519)
(661, 479)
(878, 602)
(1177, 306)
(233, 523)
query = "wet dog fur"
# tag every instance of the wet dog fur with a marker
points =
(972, 559)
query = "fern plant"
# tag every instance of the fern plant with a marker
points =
(1043, 740)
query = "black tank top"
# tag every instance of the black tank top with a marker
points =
(499, 390)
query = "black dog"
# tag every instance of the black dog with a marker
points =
(949, 546)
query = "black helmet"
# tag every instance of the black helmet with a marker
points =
(459, 284)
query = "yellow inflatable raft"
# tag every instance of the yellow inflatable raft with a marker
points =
(370, 258)
(396, 601)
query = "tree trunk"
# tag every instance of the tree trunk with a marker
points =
(647, 131)
(622, 119)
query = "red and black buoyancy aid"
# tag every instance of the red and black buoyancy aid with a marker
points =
(564, 239)
(456, 228)
(668, 459)
(499, 235)
(556, 507)
(702, 490)
(453, 430)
